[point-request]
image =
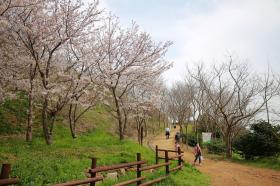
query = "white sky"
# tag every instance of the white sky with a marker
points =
(207, 30)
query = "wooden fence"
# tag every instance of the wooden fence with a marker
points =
(138, 166)
(5, 176)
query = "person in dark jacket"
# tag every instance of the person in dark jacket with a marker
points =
(177, 137)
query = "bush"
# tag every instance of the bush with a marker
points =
(191, 139)
(262, 141)
(216, 146)
(13, 114)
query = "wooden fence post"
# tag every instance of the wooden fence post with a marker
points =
(138, 168)
(156, 154)
(180, 158)
(93, 165)
(5, 171)
(166, 161)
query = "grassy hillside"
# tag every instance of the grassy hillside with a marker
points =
(66, 159)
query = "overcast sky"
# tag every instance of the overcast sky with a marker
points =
(207, 30)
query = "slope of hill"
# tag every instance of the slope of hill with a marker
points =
(66, 159)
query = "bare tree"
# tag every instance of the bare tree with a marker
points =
(180, 105)
(235, 96)
(269, 82)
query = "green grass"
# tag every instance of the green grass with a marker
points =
(266, 162)
(67, 159)
(12, 114)
(189, 176)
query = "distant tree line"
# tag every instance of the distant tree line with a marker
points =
(223, 99)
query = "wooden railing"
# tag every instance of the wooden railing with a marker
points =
(138, 166)
(139, 169)
(5, 176)
(178, 156)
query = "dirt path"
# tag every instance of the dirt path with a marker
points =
(224, 173)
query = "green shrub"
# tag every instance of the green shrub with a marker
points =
(216, 146)
(13, 113)
(192, 141)
(262, 141)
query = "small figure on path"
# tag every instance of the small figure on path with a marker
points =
(167, 132)
(197, 153)
(177, 137)
(177, 146)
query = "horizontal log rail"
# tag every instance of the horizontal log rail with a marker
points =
(130, 181)
(9, 181)
(79, 182)
(114, 167)
(176, 168)
(154, 181)
(171, 158)
(176, 157)
(154, 166)
(169, 150)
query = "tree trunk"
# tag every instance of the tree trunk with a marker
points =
(141, 135)
(187, 136)
(138, 130)
(45, 119)
(120, 129)
(30, 114)
(72, 129)
(145, 129)
(267, 111)
(181, 128)
(159, 119)
(72, 122)
(119, 115)
(228, 145)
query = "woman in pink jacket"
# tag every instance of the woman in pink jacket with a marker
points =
(197, 153)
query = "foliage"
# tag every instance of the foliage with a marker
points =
(265, 162)
(262, 141)
(192, 141)
(13, 114)
(189, 176)
(216, 146)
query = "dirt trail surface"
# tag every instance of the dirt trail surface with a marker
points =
(224, 173)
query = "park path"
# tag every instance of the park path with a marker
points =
(223, 173)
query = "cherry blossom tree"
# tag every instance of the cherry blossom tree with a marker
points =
(142, 100)
(85, 90)
(41, 32)
(127, 57)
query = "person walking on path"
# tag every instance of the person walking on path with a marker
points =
(177, 146)
(197, 153)
(167, 132)
(177, 137)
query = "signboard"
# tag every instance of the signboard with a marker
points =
(206, 136)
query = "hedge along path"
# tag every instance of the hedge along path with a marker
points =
(223, 173)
